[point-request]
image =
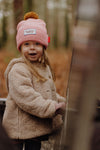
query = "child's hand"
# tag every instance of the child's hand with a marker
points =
(60, 105)
(60, 108)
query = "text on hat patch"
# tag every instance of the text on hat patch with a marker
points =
(29, 31)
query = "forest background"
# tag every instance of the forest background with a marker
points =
(58, 17)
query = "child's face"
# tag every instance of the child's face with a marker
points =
(32, 50)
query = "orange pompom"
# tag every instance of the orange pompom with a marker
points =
(31, 15)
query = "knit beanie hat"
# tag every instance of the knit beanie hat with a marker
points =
(31, 29)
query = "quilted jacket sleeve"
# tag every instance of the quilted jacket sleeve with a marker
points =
(60, 98)
(24, 95)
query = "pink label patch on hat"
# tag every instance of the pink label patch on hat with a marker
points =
(29, 31)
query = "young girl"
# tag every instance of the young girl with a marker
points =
(31, 112)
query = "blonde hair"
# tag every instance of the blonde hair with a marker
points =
(44, 61)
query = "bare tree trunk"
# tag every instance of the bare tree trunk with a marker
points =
(4, 35)
(18, 11)
(46, 12)
(56, 15)
(28, 5)
(4, 31)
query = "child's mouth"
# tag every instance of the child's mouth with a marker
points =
(32, 54)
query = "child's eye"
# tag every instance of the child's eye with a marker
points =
(26, 43)
(37, 43)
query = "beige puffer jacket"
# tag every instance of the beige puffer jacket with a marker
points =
(30, 107)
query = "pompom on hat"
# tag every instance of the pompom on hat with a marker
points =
(31, 29)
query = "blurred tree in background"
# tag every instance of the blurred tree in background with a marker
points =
(18, 11)
(56, 14)
(4, 31)
(28, 5)
(4, 34)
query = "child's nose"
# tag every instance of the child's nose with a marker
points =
(32, 46)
